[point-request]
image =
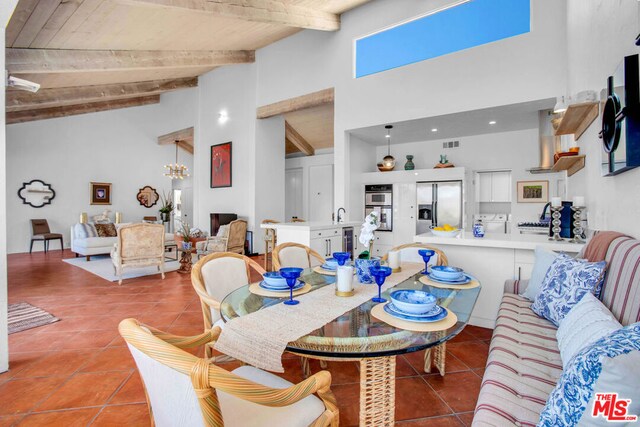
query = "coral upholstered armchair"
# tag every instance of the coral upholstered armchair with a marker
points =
(139, 245)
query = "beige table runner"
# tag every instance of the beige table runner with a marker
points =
(260, 338)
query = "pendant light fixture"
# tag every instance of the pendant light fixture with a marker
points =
(388, 162)
(176, 171)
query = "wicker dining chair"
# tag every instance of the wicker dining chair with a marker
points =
(409, 253)
(270, 239)
(183, 389)
(295, 255)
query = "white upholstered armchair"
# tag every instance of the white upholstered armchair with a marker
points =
(139, 245)
(230, 238)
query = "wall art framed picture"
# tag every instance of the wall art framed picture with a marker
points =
(100, 193)
(533, 191)
(221, 165)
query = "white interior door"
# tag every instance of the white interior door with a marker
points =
(293, 194)
(320, 193)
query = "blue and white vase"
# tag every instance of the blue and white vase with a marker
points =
(362, 269)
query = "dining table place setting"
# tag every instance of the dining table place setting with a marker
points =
(261, 337)
(445, 276)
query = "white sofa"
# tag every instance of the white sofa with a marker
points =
(101, 245)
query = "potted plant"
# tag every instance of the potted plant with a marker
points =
(166, 208)
(367, 236)
(185, 235)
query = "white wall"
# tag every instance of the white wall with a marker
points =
(304, 163)
(600, 34)
(117, 146)
(362, 158)
(519, 69)
(516, 150)
(230, 89)
(6, 9)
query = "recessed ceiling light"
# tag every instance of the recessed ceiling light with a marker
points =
(492, 122)
(434, 130)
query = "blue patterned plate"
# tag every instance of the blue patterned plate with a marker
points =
(431, 313)
(266, 286)
(329, 267)
(416, 319)
(467, 279)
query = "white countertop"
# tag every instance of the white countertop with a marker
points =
(317, 225)
(509, 241)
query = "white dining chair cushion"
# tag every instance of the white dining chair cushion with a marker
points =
(223, 276)
(293, 257)
(412, 255)
(588, 321)
(239, 413)
(173, 400)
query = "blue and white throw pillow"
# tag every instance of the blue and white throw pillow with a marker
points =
(544, 259)
(609, 365)
(83, 231)
(564, 286)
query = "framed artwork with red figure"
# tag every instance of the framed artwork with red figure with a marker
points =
(221, 165)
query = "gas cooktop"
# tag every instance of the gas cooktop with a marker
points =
(534, 224)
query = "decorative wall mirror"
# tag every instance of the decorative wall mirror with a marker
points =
(148, 196)
(36, 193)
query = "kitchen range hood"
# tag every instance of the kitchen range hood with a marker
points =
(546, 141)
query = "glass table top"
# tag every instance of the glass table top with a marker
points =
(356, 333)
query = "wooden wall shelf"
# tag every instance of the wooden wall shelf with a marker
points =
(577, 119)
(571, 164)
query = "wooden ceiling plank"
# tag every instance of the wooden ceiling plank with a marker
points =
(296, 139)
(50, 113)
(186, 146)
(36, 21)
(179, 135)
(55, 23)
(314, 99)
(73, 24)
(267, 11)
(18, 100)
(23, 11)
(35, 61)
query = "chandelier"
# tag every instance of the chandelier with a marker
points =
(176, 171)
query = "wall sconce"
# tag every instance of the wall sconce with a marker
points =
(223, 117)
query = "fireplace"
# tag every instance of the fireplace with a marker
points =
(218, 219)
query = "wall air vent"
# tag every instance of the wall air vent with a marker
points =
(451, 144)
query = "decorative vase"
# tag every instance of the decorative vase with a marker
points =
(409, 166)
(165, 216)
(186, 245)
(362, 269)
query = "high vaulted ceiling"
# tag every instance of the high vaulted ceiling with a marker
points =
(93, 55)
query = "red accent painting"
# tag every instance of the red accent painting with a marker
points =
(221, 165)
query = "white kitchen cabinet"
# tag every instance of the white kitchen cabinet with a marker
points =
(494, 187)
(326, 241)
(404, 211)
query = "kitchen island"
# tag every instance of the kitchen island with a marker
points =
(492, 260)
(323, 237)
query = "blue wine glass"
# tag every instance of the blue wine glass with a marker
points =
(426, 255)
(291, 274)
(380, 273)
(341, 257)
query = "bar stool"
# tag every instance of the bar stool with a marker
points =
(269, 241)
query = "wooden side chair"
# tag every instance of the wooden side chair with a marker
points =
(216, 275)
(409, 253)
(270, 239)
(40, 232)
(183, 389)
(295, 255)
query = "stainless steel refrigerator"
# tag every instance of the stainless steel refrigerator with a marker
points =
(439, 203)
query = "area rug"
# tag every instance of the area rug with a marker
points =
(101, 266)
(23, 316)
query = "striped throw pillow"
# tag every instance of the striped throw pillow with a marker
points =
(83, 231)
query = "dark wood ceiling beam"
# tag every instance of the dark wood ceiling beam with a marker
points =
(291, 135)
(267, 11)
(71, 110)
(19, 100)
(36, 61)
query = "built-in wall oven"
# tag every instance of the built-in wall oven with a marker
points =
(379, 198)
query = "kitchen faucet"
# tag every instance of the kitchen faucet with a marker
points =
(338, 215)
(544, 212)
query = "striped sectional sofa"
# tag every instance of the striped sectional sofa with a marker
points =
(524, 363)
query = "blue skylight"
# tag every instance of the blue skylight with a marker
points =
(461, 27)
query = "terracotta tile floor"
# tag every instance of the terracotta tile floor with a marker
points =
(77, 372)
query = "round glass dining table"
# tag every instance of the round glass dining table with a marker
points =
(357, 335)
